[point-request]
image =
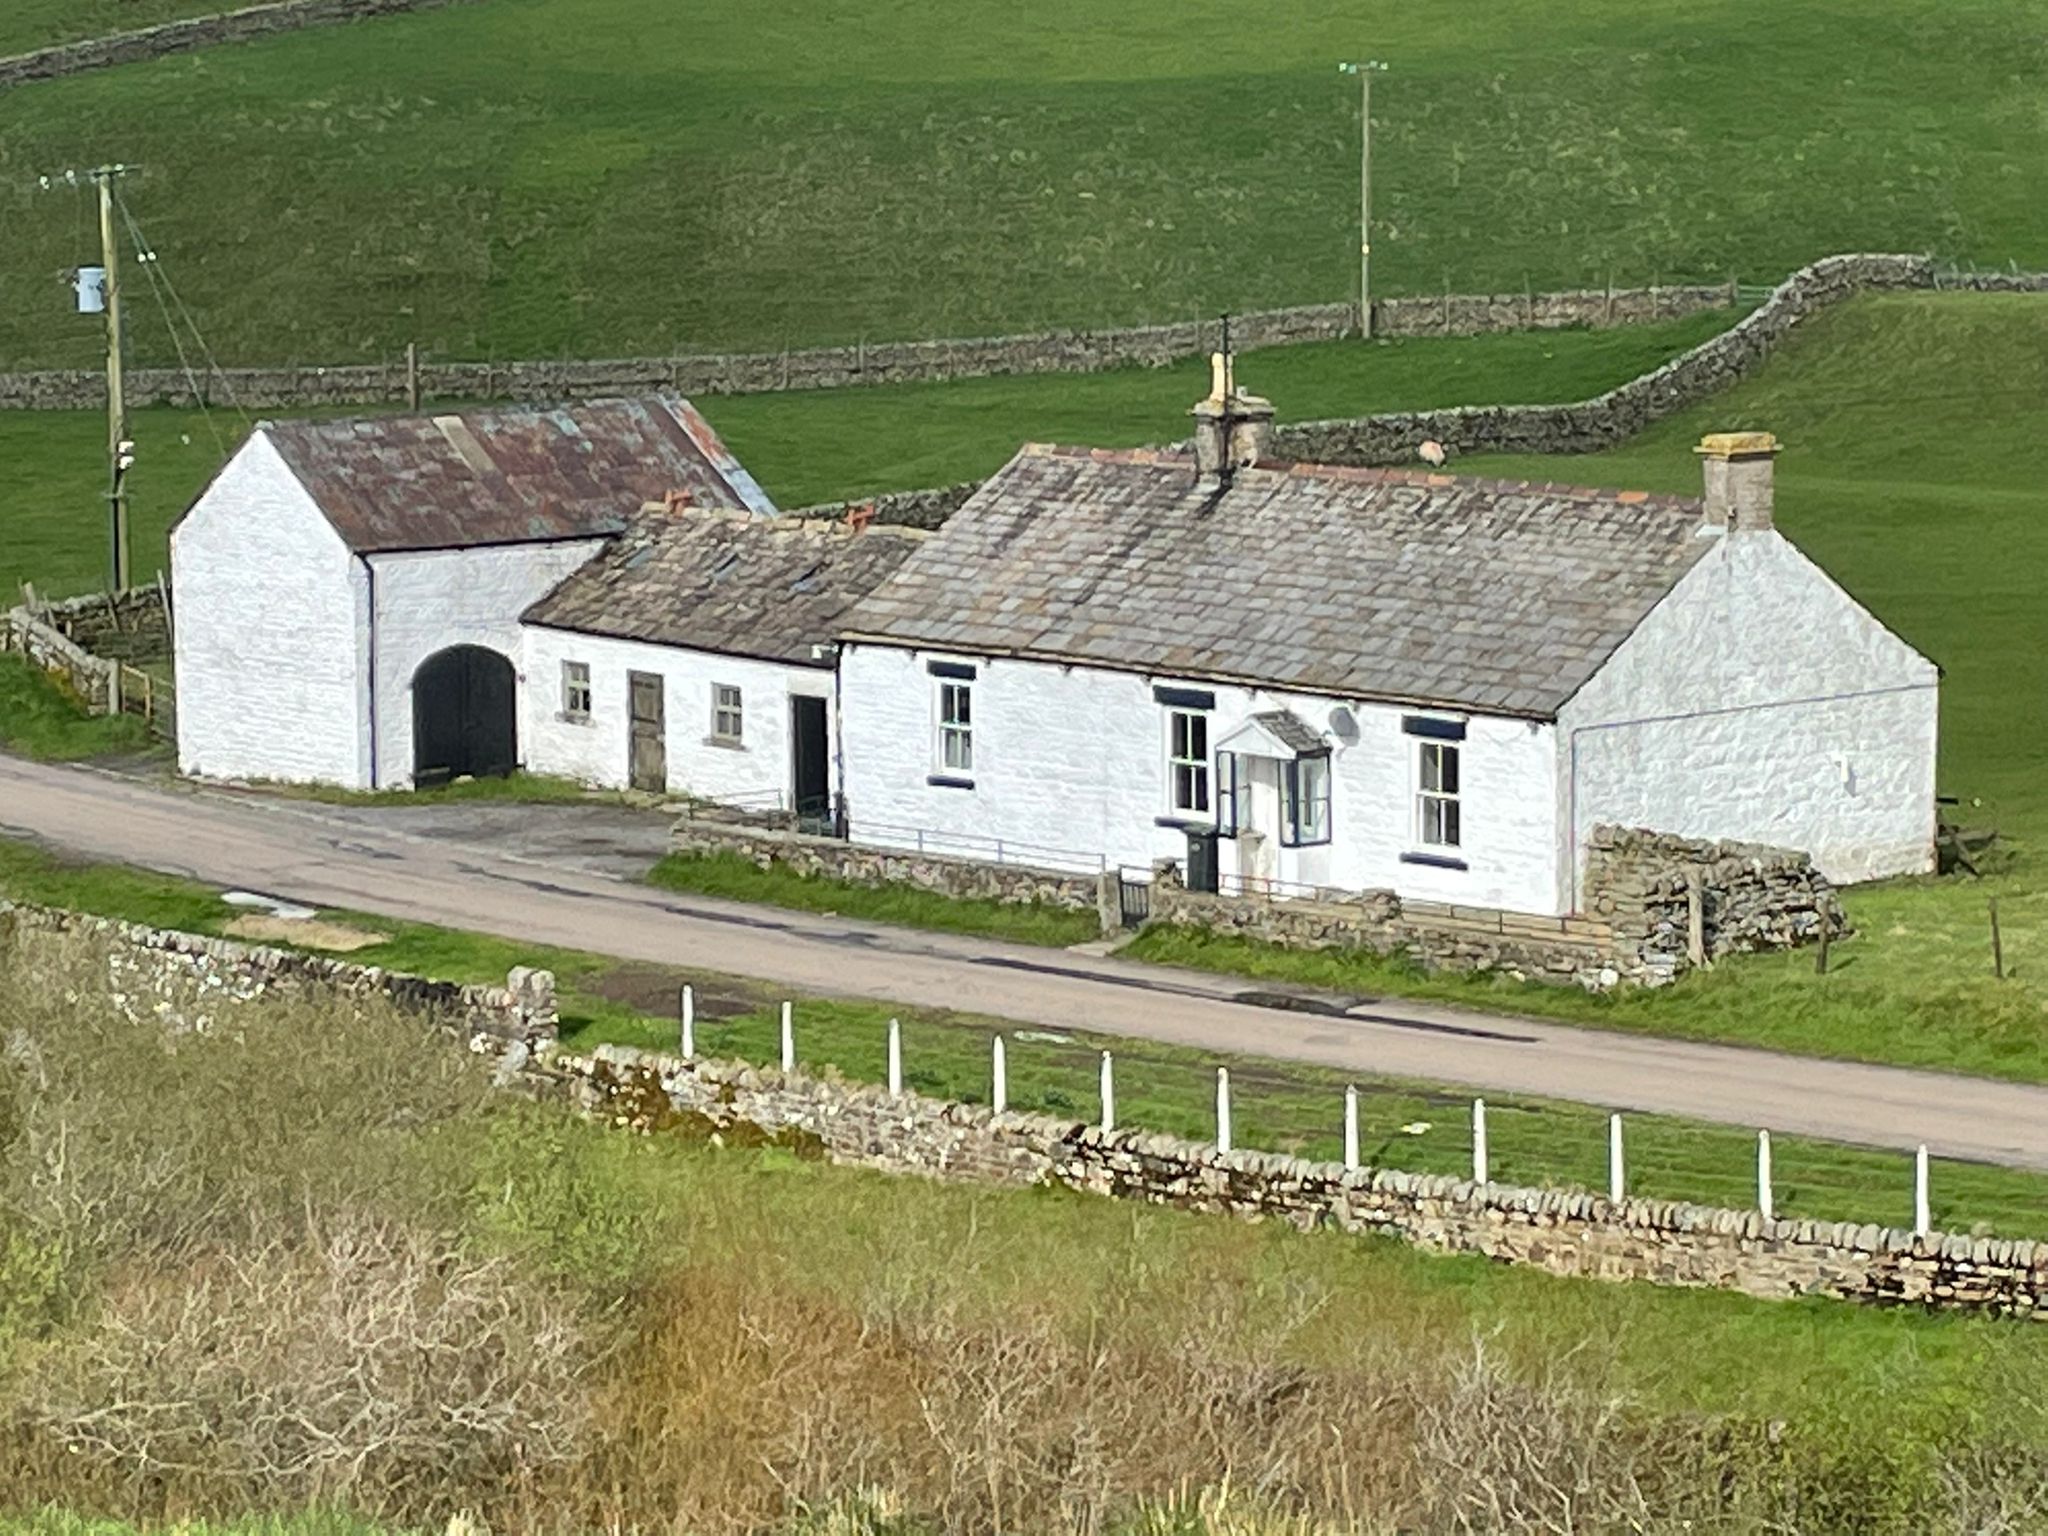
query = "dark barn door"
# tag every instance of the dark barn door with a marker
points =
(464, 702)
(809, 777)
(648, 768)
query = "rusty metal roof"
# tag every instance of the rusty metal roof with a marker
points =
(721, 581)
(510, 475)
(1491, 595)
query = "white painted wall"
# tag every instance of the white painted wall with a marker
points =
(268, 617)
(1760, 702)
(597, 751)
(1071, 767)
(429, 600)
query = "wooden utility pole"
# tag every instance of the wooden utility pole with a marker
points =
(120, 450)
(1365, 70)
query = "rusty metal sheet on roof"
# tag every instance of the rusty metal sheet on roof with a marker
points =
(515, 475)
(1491, 595)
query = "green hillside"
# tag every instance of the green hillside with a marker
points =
(818, 446)
(537, 177)
(26, 25)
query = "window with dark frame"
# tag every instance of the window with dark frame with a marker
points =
(956, 726)
(1437, 794)
(576, 691)
(1305, 801)
(1187, 765)
(728, 720)
(1227, 823)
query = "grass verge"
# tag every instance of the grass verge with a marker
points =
(39, 719)
(740, 879)
(1276, 1106)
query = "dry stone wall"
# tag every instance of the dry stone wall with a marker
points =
(178, 981)
(1566, 1232)
(198, 32)
(85, 675)
(1750, 897)
(181, 980)
(132, 626)
(710, 832)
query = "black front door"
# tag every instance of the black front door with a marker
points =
(464, 702)
(809, 757)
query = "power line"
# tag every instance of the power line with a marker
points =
(146, 255)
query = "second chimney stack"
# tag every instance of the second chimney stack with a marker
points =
(1738, 476)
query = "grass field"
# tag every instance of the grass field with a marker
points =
(823, 445)
(38, 719)
(531, 178)
(30, 24)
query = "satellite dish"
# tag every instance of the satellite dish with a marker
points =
(1344, 726)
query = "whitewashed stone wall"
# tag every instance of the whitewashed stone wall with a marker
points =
(269, 632)
(1074, 761)
(597, 750)
(1760, 703)
(431, 600)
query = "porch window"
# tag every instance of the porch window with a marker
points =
(1437, 794)
(1305, 801)
(1187, 765)
(576, 692)
(1227, 822)
(956, 727)
(727, 717)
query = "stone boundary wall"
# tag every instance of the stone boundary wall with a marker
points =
(122, 626)
(174, 980)
(907, 509)
(1751, 897)
(83, 673)
(192, 33)
(179, 979)
(1565, 1232)
(1525, 946)
(709, 831)
(863, 363)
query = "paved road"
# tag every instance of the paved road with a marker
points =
(305, 853)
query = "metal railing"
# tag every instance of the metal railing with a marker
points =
(961, 845)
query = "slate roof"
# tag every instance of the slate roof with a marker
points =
(1490, 595)
(769, 588)
(509, 475)
(1291, 731)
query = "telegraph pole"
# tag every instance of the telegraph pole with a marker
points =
(1365, 69)
(120, 449)
(105, 297)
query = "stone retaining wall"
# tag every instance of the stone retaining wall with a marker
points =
(85, 675)
(130, 626)
(177, 980)
(707, 832)
(180, 980)
(1566, 1232)
(1751, 897)
(197, 32)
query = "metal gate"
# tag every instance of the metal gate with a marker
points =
(1134, 898)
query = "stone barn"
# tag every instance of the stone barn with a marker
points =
(348, 593)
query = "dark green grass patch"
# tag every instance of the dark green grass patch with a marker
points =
(39, 719)
(526, 178)
(738, 879)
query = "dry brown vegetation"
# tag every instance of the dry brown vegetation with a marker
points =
(309, 1258)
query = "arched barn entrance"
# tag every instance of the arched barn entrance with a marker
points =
(463, 716)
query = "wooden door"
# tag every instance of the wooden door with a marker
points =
(648, 767)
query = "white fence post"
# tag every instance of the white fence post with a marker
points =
(895, 1059)
(1617, 1172)
(689, 1041)
(1223, 1109)
(789, 1037)
(1351, 1127)
(1000, 1066)
(1479, 1141)
(1923, 1216)
(1764, 1202)
(1108, 1093)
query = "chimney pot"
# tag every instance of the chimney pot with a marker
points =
(1738, 471)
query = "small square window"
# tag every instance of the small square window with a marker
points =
(576, 691)
(727, 723)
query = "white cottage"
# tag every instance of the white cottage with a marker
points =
(348, 593)
(1293, 677)
(695, 655)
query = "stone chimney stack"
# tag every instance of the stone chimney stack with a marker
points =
(1738, 475)
(1232, 429)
